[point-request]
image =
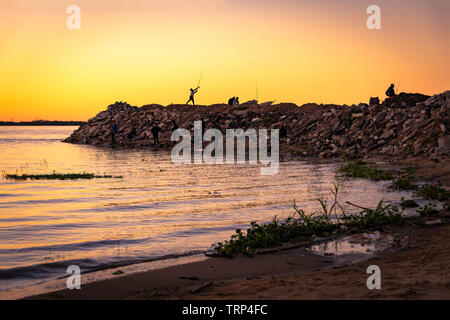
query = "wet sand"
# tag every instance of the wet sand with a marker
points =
(417, 269)
(421, 271)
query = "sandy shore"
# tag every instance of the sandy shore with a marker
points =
(417, 269)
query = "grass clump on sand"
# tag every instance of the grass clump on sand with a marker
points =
(427, 211)
(57, 176)
(427, 191)
(360, 169)
(433, 192)
(375, 217)
(276, 233)
(301, 226)
(405, 182)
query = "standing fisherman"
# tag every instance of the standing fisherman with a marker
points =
(155, 132)
(191, 98)
(114, 130)
(155, 129)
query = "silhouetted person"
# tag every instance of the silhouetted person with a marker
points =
(191, 98)
(236, 101)
(114, 130)
(374, 101)
(390, 91)
(155, 132)
(283, 132)
(231, 101)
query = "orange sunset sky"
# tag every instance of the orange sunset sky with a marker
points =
(153, 51)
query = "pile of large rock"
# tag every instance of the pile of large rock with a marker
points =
(407, 124)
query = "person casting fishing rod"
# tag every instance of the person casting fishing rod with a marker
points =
(191, 98)
(194, 91)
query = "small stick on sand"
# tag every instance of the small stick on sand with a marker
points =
(355, 205)
(203, 286)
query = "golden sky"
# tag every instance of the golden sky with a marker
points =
(153, 51)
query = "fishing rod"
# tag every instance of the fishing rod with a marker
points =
(400, 81)
(257, 96)
(200, 79)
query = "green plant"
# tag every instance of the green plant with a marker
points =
(360, 169)
(298, 225)
(375, 217)
(433, 192)
(405, 182)
(427, 211)
(265, 122)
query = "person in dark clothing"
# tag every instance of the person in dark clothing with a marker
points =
(231, 101)
(191, 98)
(283, 132)
(114, 130)
(390, 91)
(133, 131)
(155, 132)
(374, 101)
(236, 101)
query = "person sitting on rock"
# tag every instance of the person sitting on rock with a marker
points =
(236, 101)
(374, 101)
(231, 101)
(191, 98)
(390, 91)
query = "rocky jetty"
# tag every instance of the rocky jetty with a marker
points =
(407, 124)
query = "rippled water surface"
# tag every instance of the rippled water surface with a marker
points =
(156, 209)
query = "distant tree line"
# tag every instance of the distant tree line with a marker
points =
(42, 123)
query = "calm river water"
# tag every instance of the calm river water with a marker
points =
(156, 209)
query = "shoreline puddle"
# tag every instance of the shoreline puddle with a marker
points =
(368, 243)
